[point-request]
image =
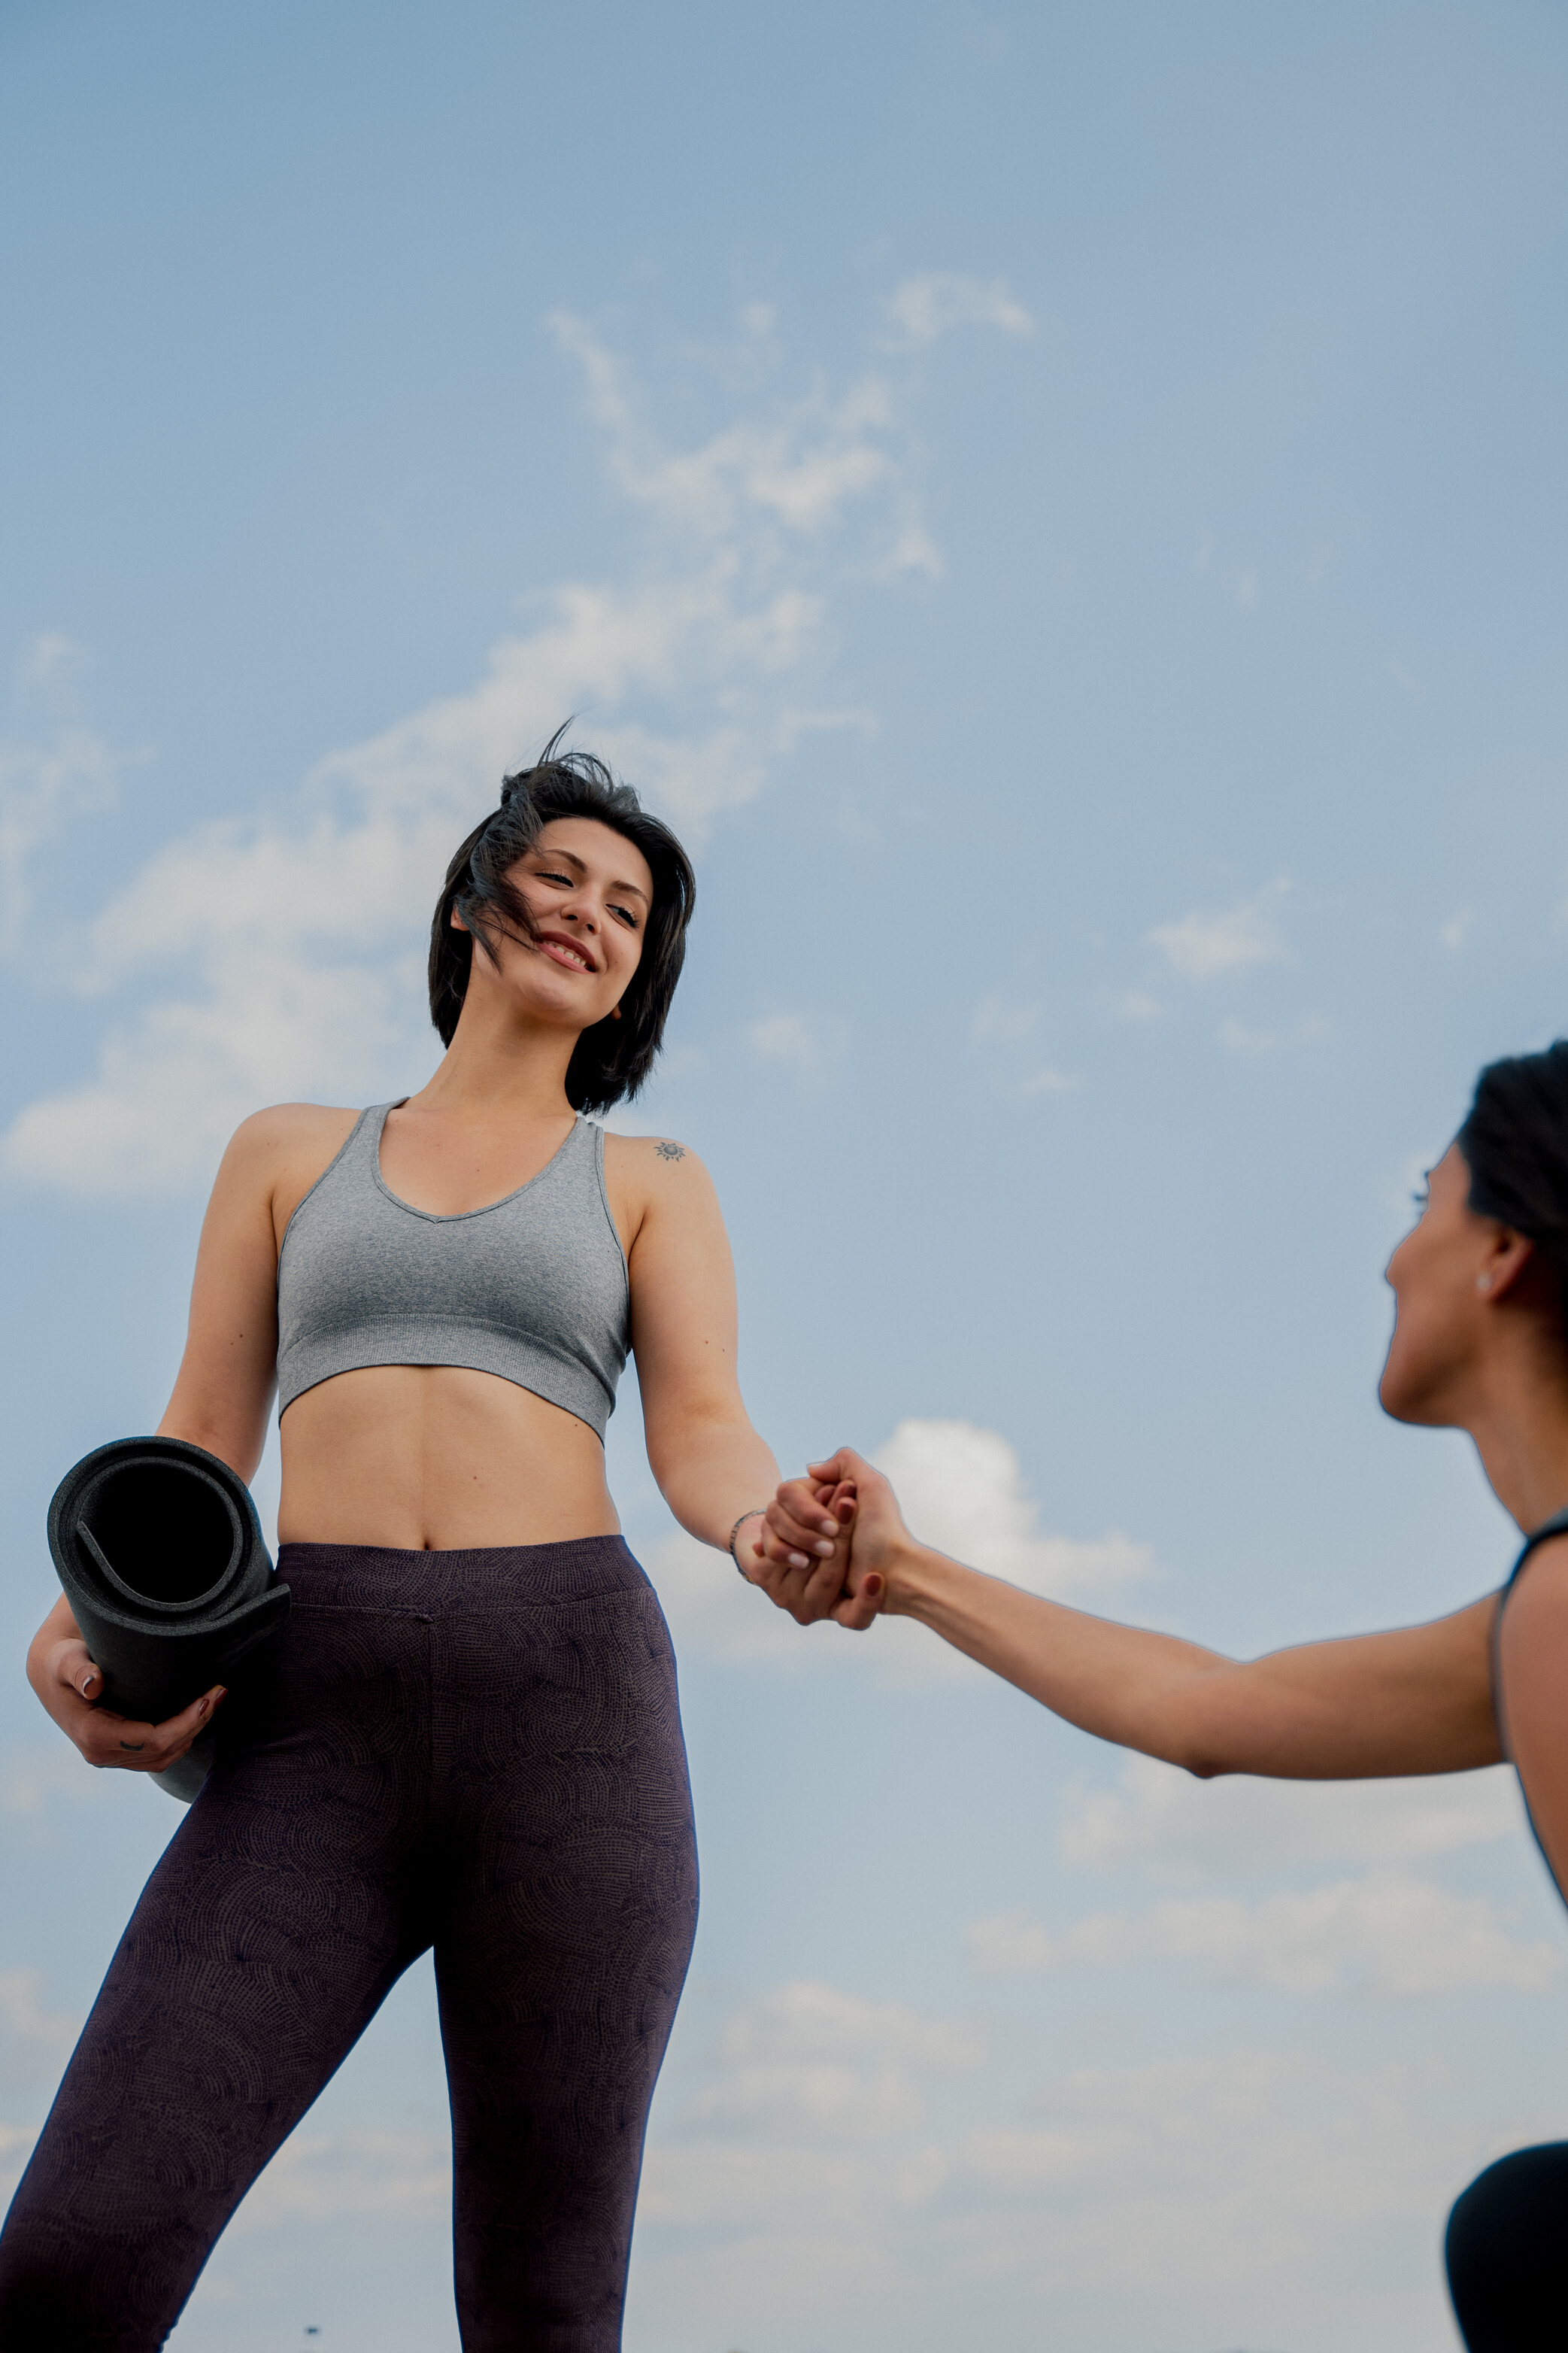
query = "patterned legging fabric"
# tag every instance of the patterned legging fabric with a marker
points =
(475, 1751)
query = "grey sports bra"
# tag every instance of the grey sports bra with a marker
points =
(533, 1288)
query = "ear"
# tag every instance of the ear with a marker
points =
(615, 1012)
(1508, 1255)
(456, 922)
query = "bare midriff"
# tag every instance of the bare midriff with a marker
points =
(435, 1458)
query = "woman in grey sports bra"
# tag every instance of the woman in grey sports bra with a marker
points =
(469, 1738)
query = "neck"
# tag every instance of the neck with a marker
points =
(502, 1066)
(1521, 1430)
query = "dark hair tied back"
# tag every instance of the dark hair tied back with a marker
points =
(613, 1059)
(1515, 1143)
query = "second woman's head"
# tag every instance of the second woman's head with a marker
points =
(574, 896)
(1480, 1277)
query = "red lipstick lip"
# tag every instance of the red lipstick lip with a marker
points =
(565, 940)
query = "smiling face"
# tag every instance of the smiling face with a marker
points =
(1444, 1275)
(589, 890)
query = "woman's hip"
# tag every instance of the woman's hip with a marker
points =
(441, 1674)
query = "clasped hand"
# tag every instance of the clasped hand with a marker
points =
(823, 1546)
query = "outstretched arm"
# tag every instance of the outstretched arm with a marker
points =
(1417, 1699)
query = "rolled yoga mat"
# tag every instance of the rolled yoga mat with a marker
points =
(160, 1553)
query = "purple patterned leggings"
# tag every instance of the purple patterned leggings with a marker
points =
(475, 1751)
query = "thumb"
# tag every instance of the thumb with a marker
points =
(844, 1464)
(77, 1666)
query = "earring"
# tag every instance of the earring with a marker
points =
(1483, 1282)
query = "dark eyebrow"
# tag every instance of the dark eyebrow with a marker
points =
(569, 857)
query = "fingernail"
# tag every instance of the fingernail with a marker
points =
(798, 1560)
(203, 1706)
(873, 1586)
(823, 1550)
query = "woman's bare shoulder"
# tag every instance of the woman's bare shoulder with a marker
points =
(654, 1176)
(284, 1130)
(276, 1155)
(648, 1156)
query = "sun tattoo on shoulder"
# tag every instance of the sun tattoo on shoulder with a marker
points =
(670, 1151)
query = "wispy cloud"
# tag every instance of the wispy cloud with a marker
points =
(54, 768)
(1005, 1017)
(1387, 1932)
(35, 2042)
(279, 955)
(318, 2178)
(932, 305)
(1207, 2171)
(1178, 1829)
(804, 1044)
(1202, 947)
(809, 2056)
(1222, 2169)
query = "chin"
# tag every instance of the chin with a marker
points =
(1408, 1399)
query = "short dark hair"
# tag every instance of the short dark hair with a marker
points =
(612, 1060)
(1515, 1146)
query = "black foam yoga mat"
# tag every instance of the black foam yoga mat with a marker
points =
(160, 1553)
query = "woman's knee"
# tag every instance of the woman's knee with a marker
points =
(1507, 2251)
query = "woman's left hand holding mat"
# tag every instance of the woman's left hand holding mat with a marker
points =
(69, 1684)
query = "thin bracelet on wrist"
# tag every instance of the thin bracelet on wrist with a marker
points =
(757, 1511)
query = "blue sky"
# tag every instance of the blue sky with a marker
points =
(1065, 508)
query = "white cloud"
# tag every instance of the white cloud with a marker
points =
(1136, 1005)
(1201, 946)
(808, 2020)
(1212, 2171)
(321, 2177)
(59, 770)
(809, 2058)
(1207, 2170)
(1006, 1018)
(803, 1046)
(31, 1775)
(1237, 1039)
(963, 1490)
(1182, 1831)
(715, 2182)
(280, 955)
(1387, 1933)
(930, 305)
(35, 2043)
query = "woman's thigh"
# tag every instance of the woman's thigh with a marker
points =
(266, 1938)
(560, 1958)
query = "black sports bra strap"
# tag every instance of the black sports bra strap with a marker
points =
(1557, 1525)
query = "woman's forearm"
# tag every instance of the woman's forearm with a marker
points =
(1414, 1701)
(712, 1475)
